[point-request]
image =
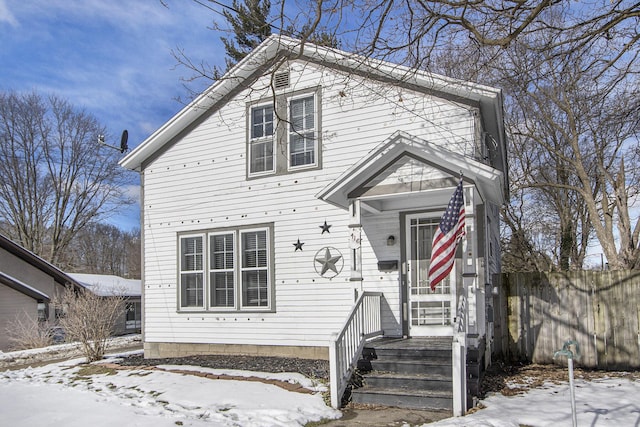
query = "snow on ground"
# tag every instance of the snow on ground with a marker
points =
(76, 395)
(599, 402)
(60, 351)
(72, 394)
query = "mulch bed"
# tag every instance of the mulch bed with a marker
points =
(507, 379)
(317, 369)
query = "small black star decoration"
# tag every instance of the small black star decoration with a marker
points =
(325, 227)
(298, 245)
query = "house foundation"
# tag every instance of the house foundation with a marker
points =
(161, 350)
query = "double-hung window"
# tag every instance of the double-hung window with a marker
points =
(302, 132)
(238, 266)
(255, 273)
(222, 272)
(191, 272)
(284, 134)
(261, 144)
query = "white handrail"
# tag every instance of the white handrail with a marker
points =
(364, 322)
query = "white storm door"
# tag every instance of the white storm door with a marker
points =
(430, 312)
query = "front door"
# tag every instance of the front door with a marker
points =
(430, 312)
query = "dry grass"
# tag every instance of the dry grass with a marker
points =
(25, 332)
(515, 379)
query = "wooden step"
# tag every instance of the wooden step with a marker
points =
(406, 373)
(408, 382)
(402, 398)
(410, 366)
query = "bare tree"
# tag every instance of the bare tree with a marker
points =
(573, 123)
(574, 126)
(105, 249)
(54, 176)
(89, 318)
(411, 31)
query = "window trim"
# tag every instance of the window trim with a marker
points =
(238, 306)
(264, 139)
(202, 271)
(242, 269)
(211, 270)
(290, 99)
(281, 146)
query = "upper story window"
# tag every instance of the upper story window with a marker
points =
(302, 132)
(284, 134)
(238, 270)
(261, 140)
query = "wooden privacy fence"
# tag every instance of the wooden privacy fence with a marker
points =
(536, 313)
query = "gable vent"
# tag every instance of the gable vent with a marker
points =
(281, 80)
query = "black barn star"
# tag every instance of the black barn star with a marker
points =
(325, 227)
(298, 245)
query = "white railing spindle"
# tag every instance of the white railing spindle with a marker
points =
(364, 322)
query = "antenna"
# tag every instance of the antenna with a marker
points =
(123, 142)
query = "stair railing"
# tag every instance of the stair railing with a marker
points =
(364, 322)
(459, 356)
(460, 321)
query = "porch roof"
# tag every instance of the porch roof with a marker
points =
(353, 182)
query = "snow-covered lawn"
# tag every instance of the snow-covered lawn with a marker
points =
(72, 394)
(599, 402)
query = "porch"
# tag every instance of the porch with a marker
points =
(420, 373)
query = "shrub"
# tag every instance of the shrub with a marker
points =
(26, 332)
(89, 318)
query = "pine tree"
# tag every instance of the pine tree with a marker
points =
(250, 27)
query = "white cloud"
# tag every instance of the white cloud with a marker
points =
(6, 15)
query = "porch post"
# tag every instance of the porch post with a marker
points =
(459, 356)
(355, 244)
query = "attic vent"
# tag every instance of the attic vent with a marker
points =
(281, 80)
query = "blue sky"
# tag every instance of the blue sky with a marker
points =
(112, 58)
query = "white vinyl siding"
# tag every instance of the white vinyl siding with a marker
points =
(302, 132)
(219, 199)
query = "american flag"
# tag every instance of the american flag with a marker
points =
(445, 240)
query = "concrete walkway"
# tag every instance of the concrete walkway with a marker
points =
(386, 417)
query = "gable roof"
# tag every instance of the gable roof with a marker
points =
(34, 260)
(401, 147)
(277, 47)
(22, 287)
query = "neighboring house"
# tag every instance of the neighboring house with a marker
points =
(306, 182)
(108, 285)
(28, 283)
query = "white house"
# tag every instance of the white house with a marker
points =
(289, 210)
